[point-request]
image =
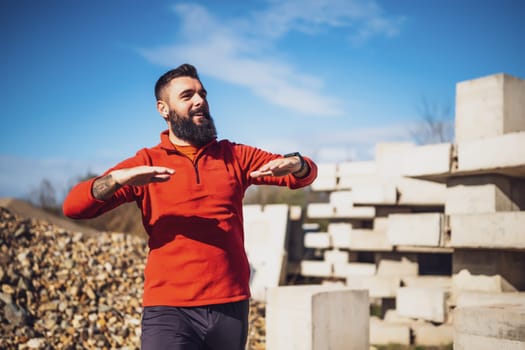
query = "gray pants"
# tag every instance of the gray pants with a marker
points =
(211, 327)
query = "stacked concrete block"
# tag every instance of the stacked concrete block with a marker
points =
(326, 177)
(419, 229)
(496, 326)
(424, 303)
(489, 106)
(266, 231)
(317, 318)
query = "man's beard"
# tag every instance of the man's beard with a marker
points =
(196, 134)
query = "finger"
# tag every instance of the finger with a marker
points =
(162, 170)
(260, 173)
(160, 177)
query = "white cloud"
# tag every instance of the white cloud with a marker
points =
(241, 51)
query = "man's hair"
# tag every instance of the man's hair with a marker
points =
(184, 70)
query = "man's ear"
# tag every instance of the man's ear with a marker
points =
(163, 109)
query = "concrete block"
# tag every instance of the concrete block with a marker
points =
(416, 229)
(348, 182)
(418, 192)
(311, 227)
(317, 318)
(265, 241)
(345, 269)
(392, 316)
(369, 240)
(319, 240)
(484, 194)
(422, 303)
(341, 199)
(326, 177)
(503, 230)
(503, 155)
(495, 105)
(401, 268)
(390, 158)
(357, 168)
(429, 335)
(466, 299)
(384, 333)
(315, 268)
(320, 210)
(443, 282)
(508, 264)
(377, 286)
(428, 160)
(336, 256)
(340, 234)
(355, 212)
(465, 281)
(374, 194)
(502, 321)
(469, 341)
(380, 224)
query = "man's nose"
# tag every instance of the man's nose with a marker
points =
(197, 100)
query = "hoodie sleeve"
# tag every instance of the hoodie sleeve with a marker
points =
(80, 203)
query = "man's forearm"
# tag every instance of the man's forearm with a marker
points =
(104, 187)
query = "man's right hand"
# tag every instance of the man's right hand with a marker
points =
(104, 187)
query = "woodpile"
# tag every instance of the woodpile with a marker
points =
(69, 290)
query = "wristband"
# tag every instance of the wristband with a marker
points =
(297, 154)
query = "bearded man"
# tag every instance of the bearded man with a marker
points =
(190, 189)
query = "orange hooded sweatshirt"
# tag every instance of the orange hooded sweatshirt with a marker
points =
(194, 220)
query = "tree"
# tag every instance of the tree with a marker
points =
(45, 197)
(435, 125)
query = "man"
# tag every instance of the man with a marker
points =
(190, 189)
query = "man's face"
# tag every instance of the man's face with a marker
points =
(189, 117)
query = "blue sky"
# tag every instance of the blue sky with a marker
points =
(329, 78)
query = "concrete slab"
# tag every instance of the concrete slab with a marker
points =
(384, 333)
(495, 104)
(380, 224)
(418, 192)
(428, 160)
(503, 230)
(317, 318)
(355, 212)
(416, 229)
(341, 199)
(508, 264)
(377, 286)
(484, 194)
(443, 282)
(336, 256)
(401, 268)
(349, 181)
(343, 270)
(340, 234)
(502, 154)
(466, 299)
(428, 334)
(502, 321)
(316, 268)
(465, 281)
(326, 177)
(320, 210)
(469, 341)
(319, 240)
(265, 241)
(422, 303)
(380, 194)
(369, 240)
(390, 158)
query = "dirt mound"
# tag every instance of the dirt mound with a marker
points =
(126, 218)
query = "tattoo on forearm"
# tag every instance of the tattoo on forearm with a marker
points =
(104, 187)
